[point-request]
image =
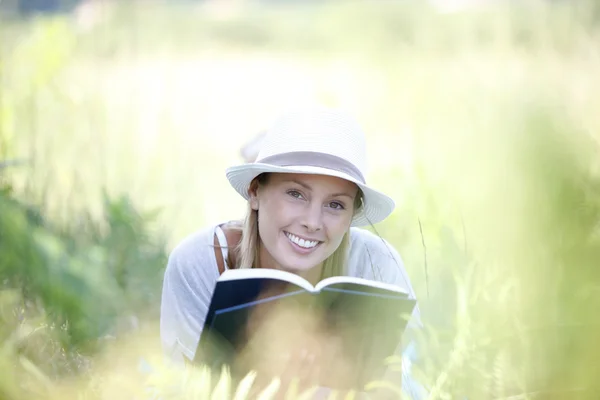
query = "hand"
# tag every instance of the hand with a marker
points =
(292, 344)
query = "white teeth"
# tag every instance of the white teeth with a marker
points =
(307, 244)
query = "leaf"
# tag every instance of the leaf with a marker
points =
(270, 391)
(332, 395)
(198, 383)
(308, 394)
(223, 388)
(292, 391)
(383, 385)
(35, 372)
(395, 359)
(244, 387)
(351, 395)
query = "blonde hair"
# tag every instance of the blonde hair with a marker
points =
(247, 253)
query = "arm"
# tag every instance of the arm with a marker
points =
(392, 271)
(187, 288)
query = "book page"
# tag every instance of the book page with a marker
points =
(265, 273)
(368, 323)
(335, 280)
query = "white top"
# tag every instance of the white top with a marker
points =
(192, 273)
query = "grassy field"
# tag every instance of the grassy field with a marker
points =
(483, 125)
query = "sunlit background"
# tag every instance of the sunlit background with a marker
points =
(118, 118)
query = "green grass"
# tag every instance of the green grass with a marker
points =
(481, 124)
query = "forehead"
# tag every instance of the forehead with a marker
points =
(316, 182)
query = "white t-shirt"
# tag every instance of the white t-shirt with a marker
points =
(192, 273)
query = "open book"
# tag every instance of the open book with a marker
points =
(368, 316)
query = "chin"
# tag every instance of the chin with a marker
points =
(300, 267)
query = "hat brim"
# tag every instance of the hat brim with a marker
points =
(376, 205)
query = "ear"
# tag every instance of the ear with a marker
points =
(359, 202)
(253, 196)
(254, 202)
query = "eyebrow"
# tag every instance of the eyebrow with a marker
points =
(307, 187)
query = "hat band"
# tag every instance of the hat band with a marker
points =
(314, 159)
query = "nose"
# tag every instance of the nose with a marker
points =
(313, 218)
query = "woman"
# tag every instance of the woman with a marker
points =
(307, 197)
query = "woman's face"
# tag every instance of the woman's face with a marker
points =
(302, 219)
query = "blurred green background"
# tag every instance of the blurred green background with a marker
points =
(118, 118)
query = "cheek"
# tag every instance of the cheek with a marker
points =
(277, 212)
(264, 224)
(336, 229)
(270, 220)
(338, 225)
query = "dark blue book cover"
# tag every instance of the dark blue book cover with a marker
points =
(369, 317)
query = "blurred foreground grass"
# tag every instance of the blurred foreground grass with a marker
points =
(482, 124)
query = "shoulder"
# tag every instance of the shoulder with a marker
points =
(191, 245)
(193, 259)
(365, 241)
(189, 281)
(373, 257)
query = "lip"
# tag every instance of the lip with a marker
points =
(299, 249)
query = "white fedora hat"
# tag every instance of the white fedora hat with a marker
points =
(316, 141)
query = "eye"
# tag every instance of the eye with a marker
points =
(336, 205)
(294, 193)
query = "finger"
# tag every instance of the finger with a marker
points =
(313, 369)
(285, 370)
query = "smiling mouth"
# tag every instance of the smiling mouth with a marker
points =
(305, 244)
